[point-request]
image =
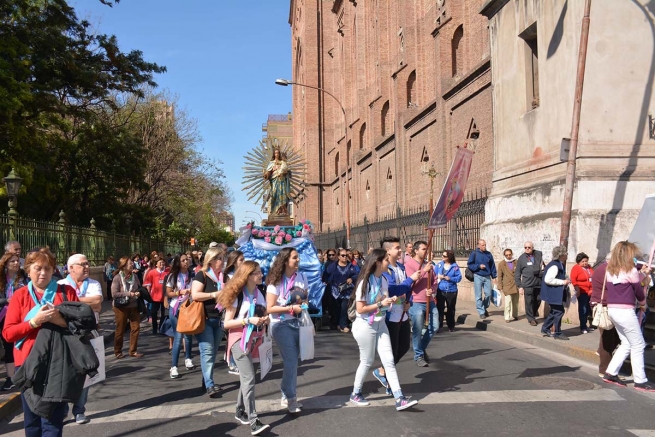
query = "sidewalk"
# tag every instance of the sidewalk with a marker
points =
(581, 346)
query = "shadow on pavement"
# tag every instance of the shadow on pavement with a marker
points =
(531, 373)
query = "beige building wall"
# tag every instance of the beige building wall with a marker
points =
(616, 157)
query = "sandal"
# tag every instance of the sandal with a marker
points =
(136, 355)
(119, 356)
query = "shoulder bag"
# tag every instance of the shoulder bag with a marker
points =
(601, 315)
(191, 318)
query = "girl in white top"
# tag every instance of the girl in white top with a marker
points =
(286, 292)
(372, 302)
(241, 320)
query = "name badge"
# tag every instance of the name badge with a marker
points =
(529, 263)
(161, 281)
(589, 279)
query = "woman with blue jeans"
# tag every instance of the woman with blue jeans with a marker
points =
(178, 288)
(206, 287)
(287, 289)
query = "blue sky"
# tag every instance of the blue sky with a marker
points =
(222, 59)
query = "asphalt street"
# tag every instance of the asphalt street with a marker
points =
(477, 384)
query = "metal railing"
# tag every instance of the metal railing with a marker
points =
(64, 240)
(461, 234)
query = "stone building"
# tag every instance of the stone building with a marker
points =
(534, 48)
(414, 78)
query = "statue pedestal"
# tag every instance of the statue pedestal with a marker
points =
(278, 220)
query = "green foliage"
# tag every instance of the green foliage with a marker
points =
(80, 122)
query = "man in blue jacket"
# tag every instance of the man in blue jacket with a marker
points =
(481, 263)
(397, 320)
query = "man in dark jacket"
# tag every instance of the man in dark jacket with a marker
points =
(482, 264)
(529, 270)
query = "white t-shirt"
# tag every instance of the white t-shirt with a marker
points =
(183, 282)
(245, 305)
(396, 311)
(93, 289)
(282, 294)
(377, 287)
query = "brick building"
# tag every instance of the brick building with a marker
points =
(414, 80)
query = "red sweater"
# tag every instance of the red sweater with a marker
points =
(419, 287)
(15, 328)
(582, 280)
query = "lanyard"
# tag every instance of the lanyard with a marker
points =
(372, 283)
(288, 285)
(247, 330)
(81, 292)
(218, 280)
(9, 291)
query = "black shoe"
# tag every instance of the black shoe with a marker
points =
(421, 362)
(645, 386)
(613, 379)
(560, 337)
(486, 313)
(241, 416)
(8, 385)
(256, 427)
(547, 333)
(214, 391)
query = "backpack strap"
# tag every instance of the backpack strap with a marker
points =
(62, 288)
(239, 302)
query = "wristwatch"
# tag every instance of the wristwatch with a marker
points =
(380, 305)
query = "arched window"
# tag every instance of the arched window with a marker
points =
(336, 164)
(457, 51)
(384, 116)
(362, 137)
(411, 92)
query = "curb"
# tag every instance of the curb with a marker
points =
(561, 347)
(10, 405)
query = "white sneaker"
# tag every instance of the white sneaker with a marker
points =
(294, 406)
(81, 419)
(189, 364)
(173, 372)
(284, 403)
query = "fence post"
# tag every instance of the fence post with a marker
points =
(94, 245)
(61, 251)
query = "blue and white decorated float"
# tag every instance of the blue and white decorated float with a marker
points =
(263, 243)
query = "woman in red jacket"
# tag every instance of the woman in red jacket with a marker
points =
(581, 280)
(30, 307)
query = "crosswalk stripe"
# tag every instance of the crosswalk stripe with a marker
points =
(378, 400)
(642, 432)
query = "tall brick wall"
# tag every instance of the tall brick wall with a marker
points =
(372, 53)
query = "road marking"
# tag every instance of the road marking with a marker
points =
(642, 432)
(334, 402)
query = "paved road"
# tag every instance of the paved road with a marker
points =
(478, 384)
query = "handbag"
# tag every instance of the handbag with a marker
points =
(120, 302)
(306, 337)
(191, 318)
(345, 289)
(98, 343)
(352, 311)
(468, 274)
(601, 314)
(265, 355)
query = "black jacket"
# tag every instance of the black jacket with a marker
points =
(529, 276)
(59, 361)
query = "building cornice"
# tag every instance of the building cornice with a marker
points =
(492, 7)
(466, 80)
(421, 114)
(291, 9)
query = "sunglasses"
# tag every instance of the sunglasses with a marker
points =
(527, 247)
(331, 254)
(343, 255)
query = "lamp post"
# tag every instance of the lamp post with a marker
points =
(12, 184)
(286, 82)
(258, 214)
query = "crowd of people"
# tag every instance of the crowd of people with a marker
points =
(391, 300)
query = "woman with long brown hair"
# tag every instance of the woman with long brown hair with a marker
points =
(124, 290)
(12, 277)
(206, 287)
(234, 260)
(624, 285)
(244, 313)
(284, 282)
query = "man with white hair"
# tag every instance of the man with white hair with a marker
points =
(89, 291)
(15, 248)
(528, 274)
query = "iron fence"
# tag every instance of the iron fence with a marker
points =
(63, 240)
(461, 234)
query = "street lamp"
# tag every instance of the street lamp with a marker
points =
(258, 214)
(432, 173)
(286, 82)
(12, 184)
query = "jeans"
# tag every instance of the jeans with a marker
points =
(421, 341)
(369, 338)
(480, 283)
(400, 335)
(342, 310)
(584, 309)
(79, 407)
(446, 299)
(246, 395)
(632, 343)
(208, 342)
(36, 426)
(157, 307)
(177, 342)
(554, 319)
(286, 334)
